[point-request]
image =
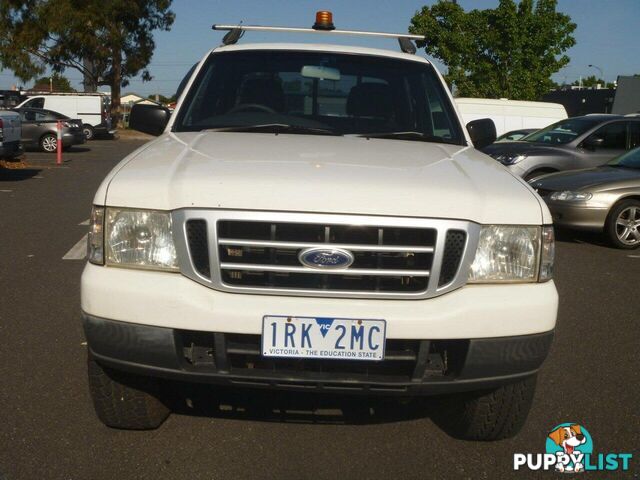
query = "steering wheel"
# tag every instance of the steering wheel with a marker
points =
(251, 106)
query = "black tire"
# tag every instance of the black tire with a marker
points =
(123, 400)
(88, 131)
(614, 231)
(49, 143)
(488, 415)
(537, 173)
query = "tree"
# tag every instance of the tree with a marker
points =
(56, 82)
(510, 51)
(109, 42)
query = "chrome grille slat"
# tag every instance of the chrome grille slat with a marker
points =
(257, 252)
(347, 246)
(346, 271)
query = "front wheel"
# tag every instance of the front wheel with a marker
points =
(488, 415)
(623, 224)
(49, 143)
(123, 400)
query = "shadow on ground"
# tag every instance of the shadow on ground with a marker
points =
(15, 175)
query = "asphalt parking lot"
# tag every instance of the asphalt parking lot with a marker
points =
(48, 429)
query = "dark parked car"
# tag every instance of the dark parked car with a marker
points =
(579, 142)
(514, 135)
(40, 129)
(605, 198)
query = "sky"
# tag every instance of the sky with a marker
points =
(607, 34)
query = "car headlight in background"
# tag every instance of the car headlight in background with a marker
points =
(568, 196)
(510, 158)
(134, 238)
(513, 254)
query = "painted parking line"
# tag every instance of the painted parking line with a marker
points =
(78, 251)
(633, 256)
(85, 222)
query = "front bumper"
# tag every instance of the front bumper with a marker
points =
(580, 217)
(10, 149)
(172, 300)
(76, 138)
(411, 367)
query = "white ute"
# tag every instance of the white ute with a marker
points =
(316, 217)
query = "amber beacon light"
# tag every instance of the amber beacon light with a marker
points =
(324, 21)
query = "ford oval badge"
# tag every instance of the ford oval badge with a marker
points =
(326, 258)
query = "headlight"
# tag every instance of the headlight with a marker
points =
(139, 239)
(510, 158)
(568, 196)
(512, 254)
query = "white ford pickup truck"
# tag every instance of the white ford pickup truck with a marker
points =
(315, 217)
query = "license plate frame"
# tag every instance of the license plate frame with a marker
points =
(324, 352)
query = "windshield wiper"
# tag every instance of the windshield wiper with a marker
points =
(409, 135)
(274, 128)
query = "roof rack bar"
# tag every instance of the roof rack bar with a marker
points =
(311, 30)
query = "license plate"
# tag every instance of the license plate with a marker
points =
(320, 337)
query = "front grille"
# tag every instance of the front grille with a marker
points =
(453, 250)
(199, 246)
(263, 252)
(265, 255)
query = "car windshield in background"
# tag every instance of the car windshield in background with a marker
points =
(562, 132)
(631, 159)
(320, 93)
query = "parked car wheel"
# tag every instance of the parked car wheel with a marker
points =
(123, 400)
(49, 143)
(488, 415)
(623, 224)
(88, 131)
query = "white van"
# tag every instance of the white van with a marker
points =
(510, 115)
(91, 108)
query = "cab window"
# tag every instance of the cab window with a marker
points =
(35, 103)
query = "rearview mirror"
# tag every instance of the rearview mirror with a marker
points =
(320, 72)
(151, 119)
(482, 132)
(593, 142)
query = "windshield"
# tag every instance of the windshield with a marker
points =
(563, 131)
(631, 159)
(319, 93)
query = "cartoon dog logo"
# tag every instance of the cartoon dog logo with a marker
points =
(568, 438)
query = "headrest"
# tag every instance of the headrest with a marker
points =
(370, 100)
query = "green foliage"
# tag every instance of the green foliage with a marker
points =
(510, 51)
(114, 37)
(59, 82)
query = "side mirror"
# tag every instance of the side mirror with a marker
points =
(151, 119)
(593, 142)
(482, 132)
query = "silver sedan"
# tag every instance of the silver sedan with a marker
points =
(605, 199)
